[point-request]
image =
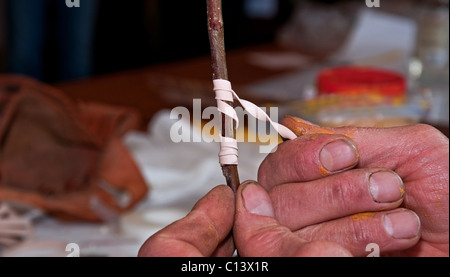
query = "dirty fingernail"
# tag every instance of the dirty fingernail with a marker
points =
(338, 155)
(386, 186)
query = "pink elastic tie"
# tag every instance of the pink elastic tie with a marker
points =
(228, 147)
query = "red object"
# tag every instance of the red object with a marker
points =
(361, 80)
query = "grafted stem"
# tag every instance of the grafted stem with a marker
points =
(219, 71)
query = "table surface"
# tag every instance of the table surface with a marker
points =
(150, 90)
(137, 87)
(165, 86)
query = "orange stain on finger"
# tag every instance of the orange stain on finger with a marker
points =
(323, 171)
(363, 216)
(402, 191)
(302, 127)
(350, 132)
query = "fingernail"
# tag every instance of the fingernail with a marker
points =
(386, 186)
(402, 225)
(256, 200)
(338, 155)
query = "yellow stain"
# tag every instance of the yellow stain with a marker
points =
(402, 191)
(362, 216)
(323, 171)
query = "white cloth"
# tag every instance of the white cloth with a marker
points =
(180, 173)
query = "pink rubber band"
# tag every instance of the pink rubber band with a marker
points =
(228, 146)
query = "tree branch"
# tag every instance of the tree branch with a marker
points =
(219, 71)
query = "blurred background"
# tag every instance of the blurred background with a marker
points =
(126, 64)
(118, 36)
(45, 39)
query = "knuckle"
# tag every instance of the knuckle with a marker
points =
(344, 191)
(266, 240)
(428, 133)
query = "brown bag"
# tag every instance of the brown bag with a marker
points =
(64, 157)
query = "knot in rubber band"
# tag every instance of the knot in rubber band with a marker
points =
(228, 146)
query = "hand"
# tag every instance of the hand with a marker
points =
(318, 197)
(13, 228)
(206, 230)
(257, 233)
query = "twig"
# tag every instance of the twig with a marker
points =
(219, 71)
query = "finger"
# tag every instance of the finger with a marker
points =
(8, 241)
(350, 192)
(17, 222)
(393, 230)
(377, 147)
(257, 233)
(6, 212)
(200, 232)
(307, 158)
(14, 232)
(419, 154)
(4, 209)
(226, 248)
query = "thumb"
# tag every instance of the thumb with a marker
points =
(258, 233)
